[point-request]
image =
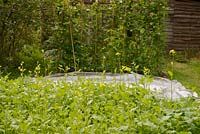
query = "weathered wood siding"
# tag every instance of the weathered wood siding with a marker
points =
(183, 28)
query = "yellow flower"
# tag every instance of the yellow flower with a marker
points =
(170, 73)
(37, 68)
(172, 52)
(117, 54)
(146, 71)
(22, 63)
(126, 69)
(67, 68)
(136, 68)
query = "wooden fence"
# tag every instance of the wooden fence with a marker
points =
(183, 25)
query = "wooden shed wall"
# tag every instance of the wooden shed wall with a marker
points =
(183, 25)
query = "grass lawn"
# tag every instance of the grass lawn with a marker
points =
(188, 74)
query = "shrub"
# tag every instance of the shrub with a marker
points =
(122, 31)
(95, 36)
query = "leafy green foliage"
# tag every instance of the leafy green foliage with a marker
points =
(41, 106)
(89, 37)
(19, 26)
(145, 44)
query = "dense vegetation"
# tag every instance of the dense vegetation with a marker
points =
(42, 37)
(74, 35)
(39, 105)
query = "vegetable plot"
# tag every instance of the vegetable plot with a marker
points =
(43, 106)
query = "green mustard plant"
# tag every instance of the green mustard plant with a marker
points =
(172, 54)
(21, 69)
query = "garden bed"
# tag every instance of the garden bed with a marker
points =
(44, 106)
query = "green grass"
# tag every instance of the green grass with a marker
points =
(188, 74)
(42, 106)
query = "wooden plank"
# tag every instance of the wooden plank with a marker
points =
(185, 25)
